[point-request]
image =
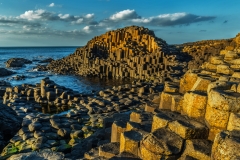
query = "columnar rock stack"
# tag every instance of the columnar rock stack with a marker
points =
(128, 52)
(202, 50)
(202, 121)
(165, 135)
(156, 135)
(47, 93)
(210, 94)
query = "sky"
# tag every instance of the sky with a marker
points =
(75, 22)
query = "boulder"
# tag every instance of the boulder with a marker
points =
(17, 62)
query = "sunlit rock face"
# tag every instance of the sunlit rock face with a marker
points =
(128, 52)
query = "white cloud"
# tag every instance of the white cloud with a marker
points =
(33, 22)
(32, 15)
(87, 29)
(79, 21)
(124, 15)
(65, 16)
(171, 19)
(89, 16)
(161, 18)
(51, 5)
(41, 14)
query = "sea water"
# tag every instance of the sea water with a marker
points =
(77, 83)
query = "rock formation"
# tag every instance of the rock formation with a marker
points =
(194, 116)
(10, 123)
(17, 62)
(5, 72)
(200, 113)
(197, 117)
(129, 52)
(85, 114)
(201, 51)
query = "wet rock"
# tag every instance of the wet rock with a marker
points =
(17, 62)
(5, 72)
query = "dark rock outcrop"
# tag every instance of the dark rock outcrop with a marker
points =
(5, 72)
(3, 86)
(9, 125)
(17, 62)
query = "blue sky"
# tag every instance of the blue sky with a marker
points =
(74, 22)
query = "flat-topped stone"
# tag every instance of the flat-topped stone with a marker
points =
(118, 127)
(160, 143)
(129, 142)
(197, 149)
(109, 150)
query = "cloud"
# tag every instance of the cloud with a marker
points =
(172, 19)
(41, 14)
(131, 17)
(15, 21)
(89, 16)
(32, 15)
(51, 5)
(42, 22)
(124, 15)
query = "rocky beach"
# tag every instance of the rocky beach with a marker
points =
(173, 101)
